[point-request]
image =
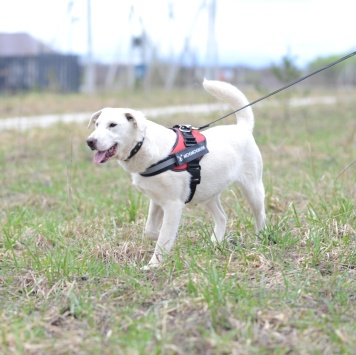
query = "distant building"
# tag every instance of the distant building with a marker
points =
(28, 64)
(21, 44)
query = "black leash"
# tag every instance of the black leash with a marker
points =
(281, 89)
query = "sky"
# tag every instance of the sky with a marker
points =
(245, 32)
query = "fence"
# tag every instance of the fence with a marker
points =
(43, 72)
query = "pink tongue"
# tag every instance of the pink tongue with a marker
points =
(99, 157)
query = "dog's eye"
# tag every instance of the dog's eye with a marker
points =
(112, 125)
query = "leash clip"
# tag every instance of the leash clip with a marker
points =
(186, 128)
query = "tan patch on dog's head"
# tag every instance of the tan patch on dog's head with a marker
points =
(131, 118)
(94, 118)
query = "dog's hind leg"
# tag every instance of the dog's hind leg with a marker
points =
(154, 220)
(255, 195)
(172, 212)
(220, 219)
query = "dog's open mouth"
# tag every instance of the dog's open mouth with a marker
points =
(102, 157)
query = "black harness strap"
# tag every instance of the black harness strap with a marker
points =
(193, 166)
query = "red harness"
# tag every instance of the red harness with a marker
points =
(180, 145)
(189, 148)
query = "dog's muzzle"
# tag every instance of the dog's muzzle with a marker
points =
(91, 142)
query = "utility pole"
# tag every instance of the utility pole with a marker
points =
(185, 52)
(211, 65)
(90, 69)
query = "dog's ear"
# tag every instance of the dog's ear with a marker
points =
(93, 118)
(131, 118)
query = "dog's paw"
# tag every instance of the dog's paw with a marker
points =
(153, 263)
(149, 267)
(145, 268)
(217, 240)
(214, 240)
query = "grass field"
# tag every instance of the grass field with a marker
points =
(71, 248)
(43, 103)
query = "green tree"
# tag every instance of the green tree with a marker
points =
(286, 72)
(332, 74)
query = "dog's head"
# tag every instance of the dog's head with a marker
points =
(117, 130)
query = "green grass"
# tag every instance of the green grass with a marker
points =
(71, 248)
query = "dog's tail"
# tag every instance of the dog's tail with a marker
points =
(232, 96)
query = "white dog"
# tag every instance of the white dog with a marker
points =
(233, 157)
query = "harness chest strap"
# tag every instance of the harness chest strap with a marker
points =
(189, 148)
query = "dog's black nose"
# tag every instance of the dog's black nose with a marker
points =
(91, 143)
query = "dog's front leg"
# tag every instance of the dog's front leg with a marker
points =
(154, 220)
(172, 212)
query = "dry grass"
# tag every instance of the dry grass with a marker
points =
(43, 103)
(71, 247)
